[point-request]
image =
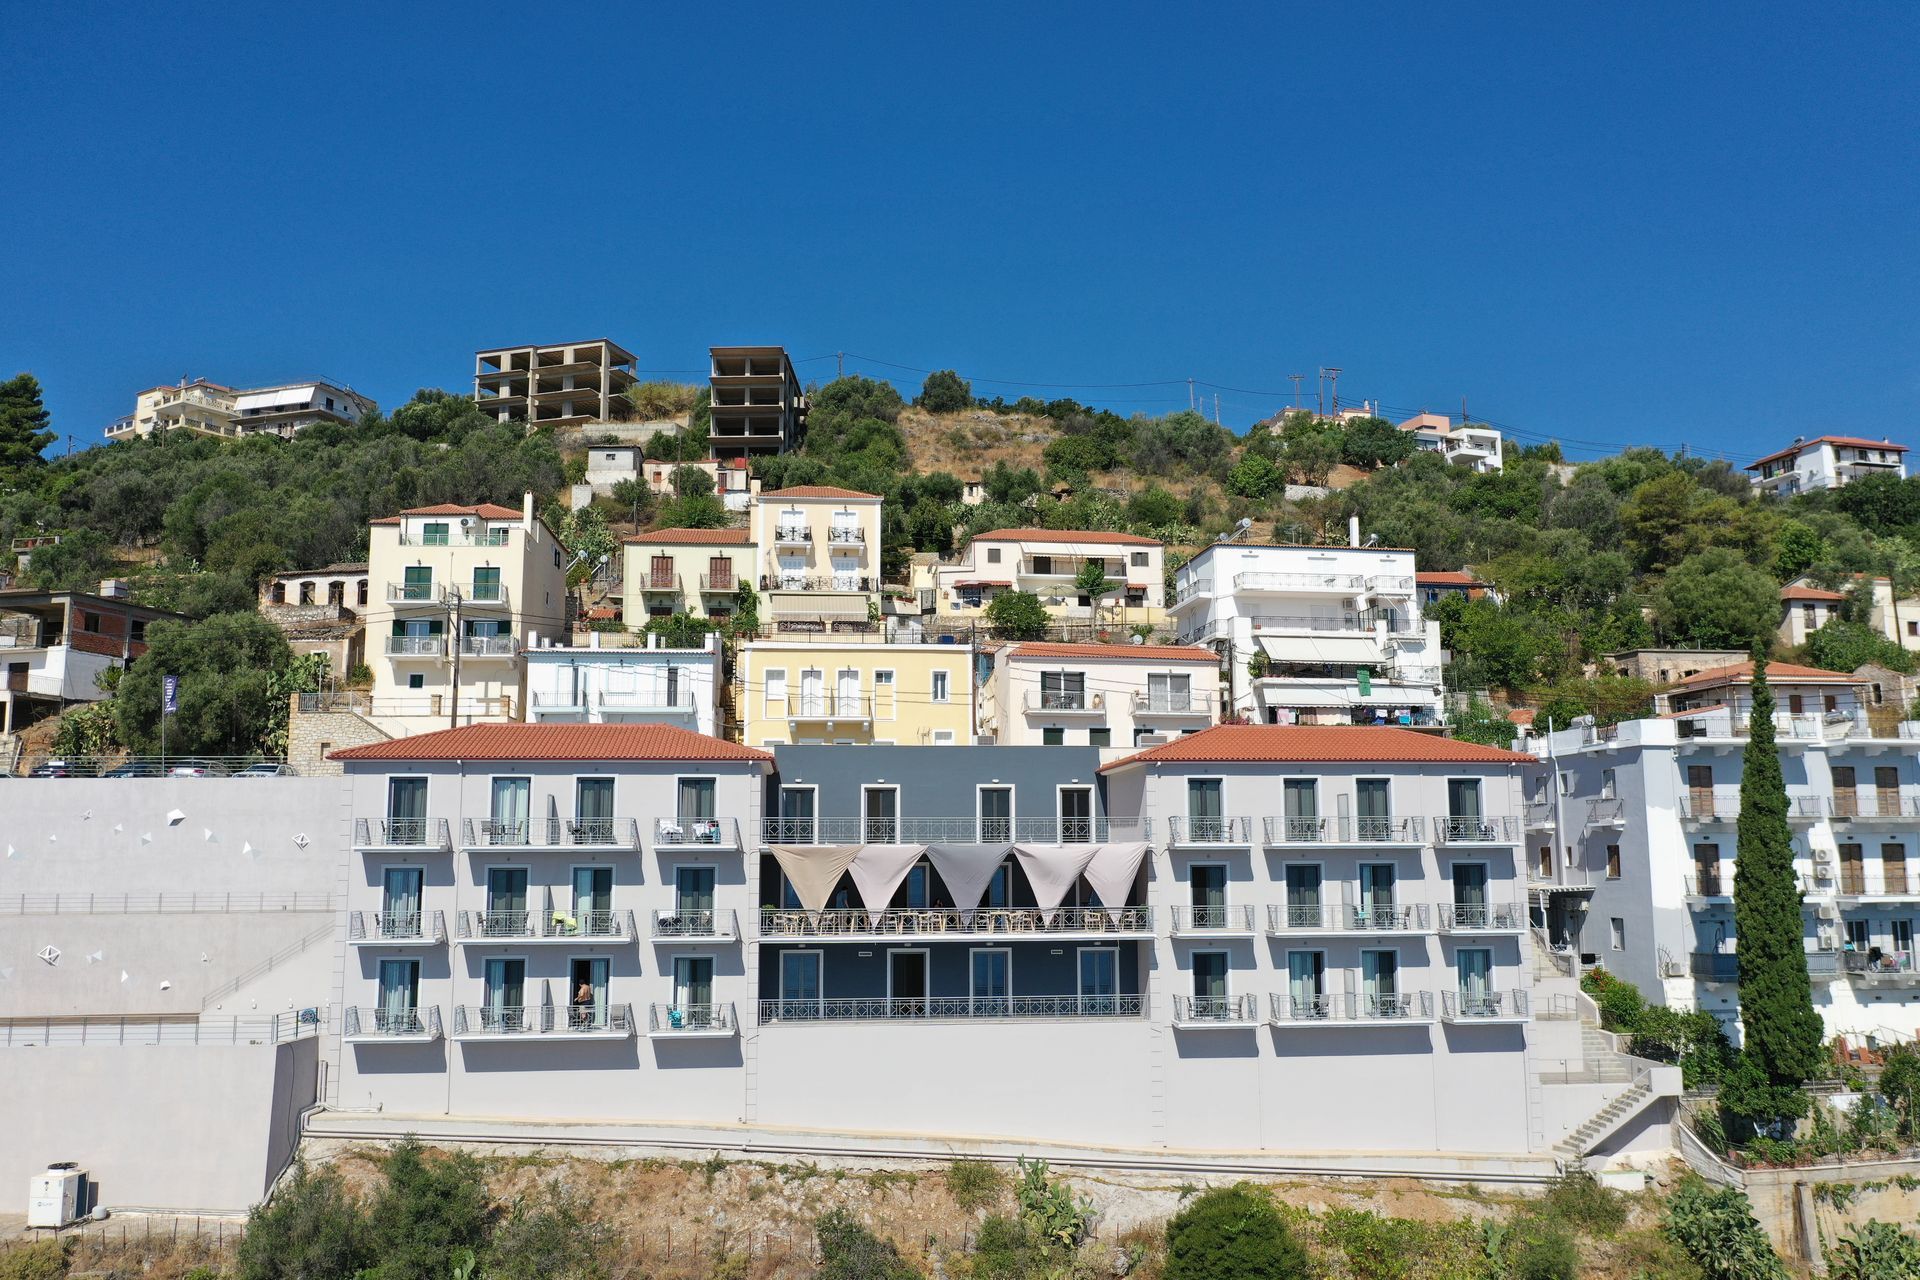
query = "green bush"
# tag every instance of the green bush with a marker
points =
(1232, 1233)
(1376, 1248)
(974, 1184)
(1006, 1249)
(311, 1230)
(550, 1237)
(1542, 1250)
(848, 1251)
(42, 1260)
(426, 1213)
(1717, 1229)
(1579, 1200)
(1018, 615)
(1876, 1251)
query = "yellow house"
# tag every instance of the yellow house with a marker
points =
(849, 691)
(1045, 562)
(692, 571)
(819, 551)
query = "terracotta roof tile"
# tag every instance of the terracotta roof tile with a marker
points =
(1808, 593)
(1318, 744)
(485, 510)
(1447, 578)
(1849, 442)
(1777, 673)
(816, 491)
(556, 742)
(1066, 535)
(1143, 652)
(691, 538)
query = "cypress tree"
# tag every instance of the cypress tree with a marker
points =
(1784, 1036)
(23, 426)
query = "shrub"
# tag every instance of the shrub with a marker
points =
(1006, 1249)
(1232, 1233)
(1579, 1200)
(1017, 615)
(311, 1229)
(945, 391)
(1716, 1228)
(973, 1184)
(42, 1260)
(1876, 1251)
(1542, 1251)
(848, 1251)
(550, 1238)
(426, 1214)
(1376, 1248)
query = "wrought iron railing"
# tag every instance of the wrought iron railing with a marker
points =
(1168, 704)
(874, 1009)
(695, 923)
(691, 1019)
(1353, 1006)
(1064, 700)
(1502, 829)
(412, 593)
(1475, 917)
(713, 833)
(382, 1023)
(416, 646)
(844, 830)
(557, 1020)
(397, 927)
(483, 926)
(1243, 1009)
(1220, 918)
(917, 922)
(1381, 829)
(1295, 830)
(1472, 1006)
(396, 833)
(1191, 830)
(551, 833)
(487, 593)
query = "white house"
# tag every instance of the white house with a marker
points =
(1472, 444)
(599, 683)
(1100, 695)
(1826, 462)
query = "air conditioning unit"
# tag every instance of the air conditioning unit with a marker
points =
(1821, 858)
(58, 1197)
(1672, 969)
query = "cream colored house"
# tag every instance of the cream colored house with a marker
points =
(851, 691)
(1805, 608)
(459, 592)
(819, 550)
(209, 409)
(1099, 695)
(1045, 562)
(697, 572)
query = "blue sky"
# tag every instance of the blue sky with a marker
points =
(1618, 224)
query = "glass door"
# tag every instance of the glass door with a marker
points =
(1307, 984)
(1302, 796)
(692, 991)
(1380, 984)
(882, 814)
(1470, 895)
(796, 824)
(907, 984)
(593, 811)
(1076, 815)
(1204, 810)
(1210, 985)
(1476, 983)
(400, 903)
(486, 584)
(399, 1009)
(693, 899)
(504, 995)
(512, 802)
(799, 984)
(1305, 909)
(1207, 893)
(407, 811)
(506, 915)
(1375, 910)
(1373, 805)
(992, 989)
(996, 815)
(1063, 690)
(417, 583)
(593, 902)
(1099, 980)
(1463, 809)
(587, 1010)
(696, 804)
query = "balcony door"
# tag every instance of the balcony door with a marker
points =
(506, 902)
(693, 896)
(512, 803)
(1307, 983)
(1099, 979)
(1303, 896)
(1474, 966)
(1886, 791)
(813, 692)
(1376, 891)
(587, 985)
(1076, 815)
(1893, 868)
(1210, 984)
(1374, 807)
(846, 688)
(417, 583)
(1207, 892)
(697, 808)
(1302, 798)
(1470, 894)
(996, 815)
(1706, 870)
(1463, 806)
(880, 807)
(1700, 790)
(796, 824)
(1205, 809)
(1853, 869)
(400, 902)
(504, 993)
(907, 982)
(991, 978)
(1846, 794)
(693, 989)
(1063, 690)
(399, 996)
(593, 811)
(407, 810)
(1169, 691)
(1380, 983)
(486, 584)
(592, 900)
(799, 977)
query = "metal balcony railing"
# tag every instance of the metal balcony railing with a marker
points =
(817, 582)
(487, 593)
(1295, 830)
(413, 593)
(1353, 1006)
(1888, 964)
(550, 925)
(552, 1020)
(1386, 917)
(1223, 918)
(843, 830)
(680, 699)
(661, 582)
(1189, 830)
(1823, 965)
(1722, 804)
(551, 833)
(1168, 704)
(1462, 1006)
(695, 924)
(691, 1019)
(1881, 886)
(952, 1007)
(792, 535)
(1715, 966)
(489, 646)
(391, 1024)
(1477, 830)
(397, 927)
(830, 706)
(1379, 829)
(711, 833)
(1338, 583)
(1710, 884)
(1243, 1010)
(934, 921)
(1540, 814)
(1065, 701)
(726, 583)
(1865, 805)
(847, 536)
(400, 833)
(1480, 917)
(1606, 811)
(416, 646)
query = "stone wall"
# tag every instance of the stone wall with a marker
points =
(311, 734)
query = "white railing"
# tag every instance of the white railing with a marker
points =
(925, 1008)
(487, 926)
(712, 833)
(661, 582)
(400, 833)
(416, 646)
(847, 536)
(1477, 830)
(486, 593)
(1189, 830)
(644, 700)
(275, 1028)
(1712, 885)
(691, 1019)
(397, 927)
(551, 833)
(1168, 704)
(1606, 811)
(843, 830)
(1480, 917)
(695, 924)
(1060, 700)
(1460, 1006)
(129, 904)
(1341, 583)
(413, 593)
(489, 646)
(830, 706)
(1295, 830)
(1722, 804)
(921, 922)
(1353, 1006)
(1372, 829)
(555, 1020)
(1866, 805)
(1880, 886)
(1224, 918)
(394, 1024)
(1243, 1010)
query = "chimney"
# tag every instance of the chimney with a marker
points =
(526, 511)
(1353, 531)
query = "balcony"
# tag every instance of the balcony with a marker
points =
(1209, 1013)
(1172, 705)
(401, 833)
(841, 536)
(953, 1008)
(1541, 815)
(844, 583)
(1481, 917)
(1068, 830)
(1607, 811)
(1224, 921)
(1306, 919)
(1352, 1009)
(662, 584)
(433, 647)
(1870, 806)
(1889, 968)
(702, 925)
(482, 596)
(1722, 806)
(1856, 888)
(391, 1026)
(1387, 584)
(719, 584)
(1061, 702)
(489, 647)
(396, 929)
(551, 833)
(1484, 1008)
(413, 593)
(896, 924)
(792, 535)
(547, 1022)
(1283, 831)
(1708, 888)
(1477, 830)
(831, 706)
(1370, 830)
(1214, 832)
(1344, 584)
(1714, 966)
(691, 1022)
(697, 832)
(1823, 966)
(590, 928)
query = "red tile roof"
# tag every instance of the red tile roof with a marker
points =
(1139, 652)
(1318, 744)
(1066, 535)
(816, 491)
(556, 742)
(1809, 593)
(692, 538)
(486, 511)
(1845, 442)
(1522, 715)
(1447, 578)
(1777, 673)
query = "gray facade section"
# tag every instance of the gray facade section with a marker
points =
(936, 783)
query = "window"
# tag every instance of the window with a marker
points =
(1169, 691)
(1063, 691)
(796, 815)
(799, 982)
(996, 815)
(1210, 998)
(880, 806)
(1613, 862)
(398, 1010)
(776, 687)
(416, 680)
(942, 686)
(306, 592)
(1099, 979)
(1139, 560)
(434, 533)
(1099, 737)
(1053, 737)
(137, 630)
(363, 592)
(990, 980)
(1857, 935)
(1606, 784)
(993, 555)
(1076, 815)
(1617, 931)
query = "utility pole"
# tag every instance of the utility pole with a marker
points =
(839, 364)
(1296, 388)
(453, 608)
(1189, 394)
(1333, 385)
(1216, 408)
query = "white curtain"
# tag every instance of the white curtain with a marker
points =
(968, 870)
(878, 869)
(1053, 869)
(1112, 872)
(814, 869)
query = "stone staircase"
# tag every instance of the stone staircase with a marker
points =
(1604, 1122)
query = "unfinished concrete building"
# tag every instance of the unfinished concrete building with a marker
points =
(563, 384)
(759, 405)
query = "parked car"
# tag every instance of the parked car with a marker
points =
(267, 769)
(196, 769)
(59, 769)
(134, 769)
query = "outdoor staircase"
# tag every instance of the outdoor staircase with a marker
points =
(1603, 1123)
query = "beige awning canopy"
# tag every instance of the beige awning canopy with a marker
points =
(1357, 651)
(878, 869)
(814, 869)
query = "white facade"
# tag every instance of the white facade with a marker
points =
(1101, 695)
(1045, 563)
(596, 684)
(207, 408)
(1826, 462)
(1314, 635)
(1471, 444)
(1805, 608)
